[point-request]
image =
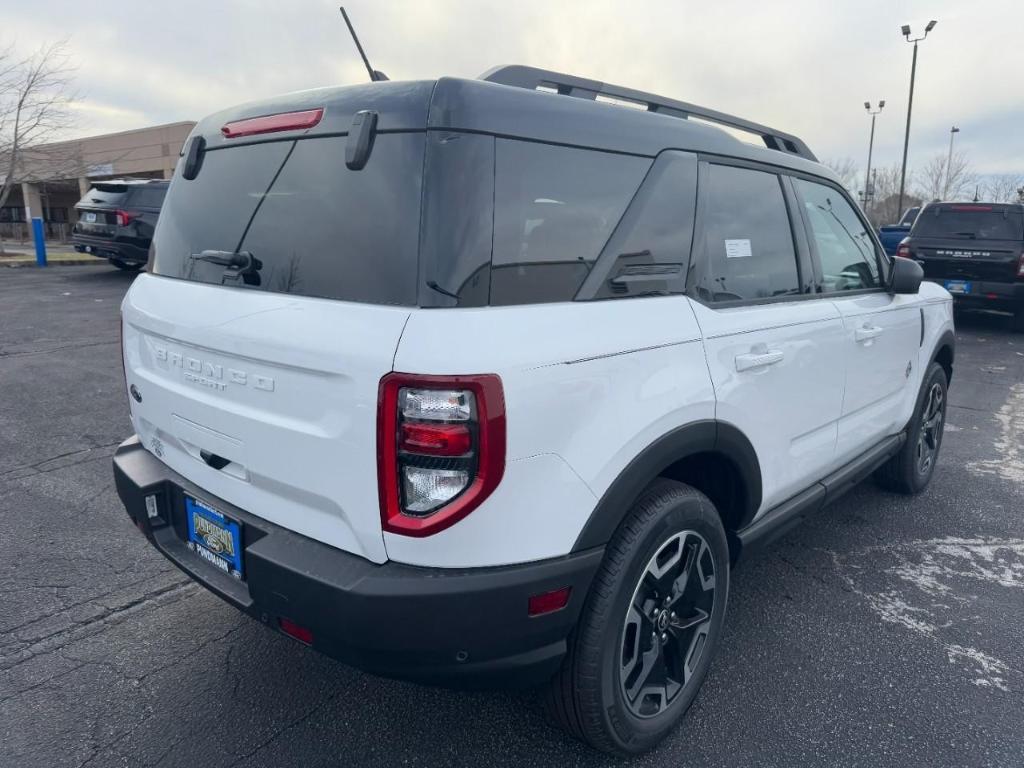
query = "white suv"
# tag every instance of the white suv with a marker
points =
(490, 382)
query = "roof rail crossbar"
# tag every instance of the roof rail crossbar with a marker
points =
(532, 78)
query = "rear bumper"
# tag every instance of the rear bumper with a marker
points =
(445, 626)
(109, 249)
(986, 293)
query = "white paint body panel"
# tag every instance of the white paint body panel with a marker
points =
(789, 408)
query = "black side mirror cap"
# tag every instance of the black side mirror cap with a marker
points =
(907, 275)
(360, 139)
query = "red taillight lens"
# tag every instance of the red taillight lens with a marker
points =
(435, 439)
(440, 449)
(286, 121)
(903, 250)
(1020, 268)
(124, 218)
(549, 602)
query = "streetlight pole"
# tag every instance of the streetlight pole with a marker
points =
(871, 146)
(910, 104)
(949, 161)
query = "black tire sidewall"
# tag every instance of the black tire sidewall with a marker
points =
(934, 374)
(690, 512)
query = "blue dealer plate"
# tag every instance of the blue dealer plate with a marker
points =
(214, 537)
(958, 286)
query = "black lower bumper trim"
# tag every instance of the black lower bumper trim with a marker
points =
(462, 627)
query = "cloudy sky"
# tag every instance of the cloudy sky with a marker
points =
(805, 66)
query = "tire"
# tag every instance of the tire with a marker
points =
(127, 266)
(671, 528)
(908, 472)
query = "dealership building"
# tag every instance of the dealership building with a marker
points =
(56, 176)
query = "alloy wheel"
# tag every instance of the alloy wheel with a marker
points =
(930, 434)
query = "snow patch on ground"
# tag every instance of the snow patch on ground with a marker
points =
(1010, 442)
(921, 589)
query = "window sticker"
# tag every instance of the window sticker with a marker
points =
(737, 249)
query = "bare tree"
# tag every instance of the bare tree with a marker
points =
(847, 171)
(1004, 188)
(35, 93)
(939, 182)
(884, 207)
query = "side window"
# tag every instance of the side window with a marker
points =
(747, 246)
(554, 209)
(849, 261)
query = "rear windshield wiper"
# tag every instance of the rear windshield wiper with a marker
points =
(237, 259)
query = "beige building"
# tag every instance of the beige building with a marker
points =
(56, 176)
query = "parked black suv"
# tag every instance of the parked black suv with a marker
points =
(975, 250)
(116, 220)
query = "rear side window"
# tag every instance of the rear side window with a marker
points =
(747, 251)
(554, 209)
(299, 221)
(849, 261)
(969, 222)
(148, 197)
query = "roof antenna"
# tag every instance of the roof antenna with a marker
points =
(375, 74)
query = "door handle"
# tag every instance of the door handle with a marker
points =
(759, 357)
(867, 332)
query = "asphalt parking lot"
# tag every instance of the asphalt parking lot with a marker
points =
(887, 631)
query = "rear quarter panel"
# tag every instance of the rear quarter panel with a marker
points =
(587, 385)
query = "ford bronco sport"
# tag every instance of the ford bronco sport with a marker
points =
(974, 250)
(491, 381)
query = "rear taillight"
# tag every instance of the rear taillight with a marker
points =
(1020, 267)
(124, 218)
(440, 449)
(903, 250)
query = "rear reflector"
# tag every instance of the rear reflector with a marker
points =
(292, 629)
(286, 121)
(548, 602)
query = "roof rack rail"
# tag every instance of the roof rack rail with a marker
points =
(532, 78)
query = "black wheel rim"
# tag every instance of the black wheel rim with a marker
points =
(667, 624)
(930, 435)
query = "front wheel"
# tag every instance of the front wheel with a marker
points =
(650, 626)
(910, 470)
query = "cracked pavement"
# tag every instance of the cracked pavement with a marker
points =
(885, 631)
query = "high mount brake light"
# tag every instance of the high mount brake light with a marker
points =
(440, 449)
(286, 121)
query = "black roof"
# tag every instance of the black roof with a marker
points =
(517, 111)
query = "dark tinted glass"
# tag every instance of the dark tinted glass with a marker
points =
(849, 261)
(650, 248)
(112, 195)
(148, 197)
(554, 210)
(747, 246)
(318, 229)
(969, 222)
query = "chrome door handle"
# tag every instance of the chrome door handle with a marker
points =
(867, 332)
(759, 357)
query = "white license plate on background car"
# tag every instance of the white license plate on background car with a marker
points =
(89, 217)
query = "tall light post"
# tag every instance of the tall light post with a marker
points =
(910, 103)
(871, 146)
(949, 161)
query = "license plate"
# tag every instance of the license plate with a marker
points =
(89, 217)
(958, 286)
(214, 537)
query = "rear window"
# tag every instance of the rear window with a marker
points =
(294, 219)
(969, 223)
(105, 195)
(148, 197)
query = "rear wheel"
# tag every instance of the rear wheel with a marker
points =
(910, 470)
(127, 266)
(650, 626)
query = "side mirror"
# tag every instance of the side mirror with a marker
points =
(907, 275)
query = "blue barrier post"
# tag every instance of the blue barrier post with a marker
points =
(37, 235)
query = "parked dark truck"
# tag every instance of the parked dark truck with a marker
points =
(116, 220)
(974, 250)
(892, 235)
